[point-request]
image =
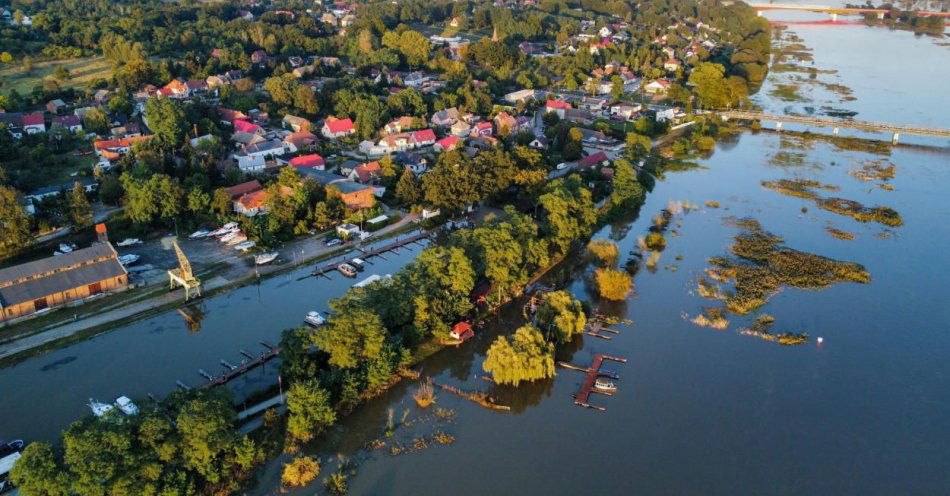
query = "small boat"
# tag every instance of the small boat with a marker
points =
(245, 245)
(314, 319)
(129, 242)
(200, 233)
(346, 269)
(217, 233)
(229, 236)
(230, 225)
(11, 447)
(129, 259)
(98, 408)
(265, 258)
(126, 405)
(240, 237)
(604, 385)
(358, 264)
(66, 248)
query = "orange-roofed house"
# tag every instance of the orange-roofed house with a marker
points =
(366, 173)
(251, 204)
(300, 141)
(114, 149)
(177, 88)
(557, 107)
(462, 331)
(505, 123)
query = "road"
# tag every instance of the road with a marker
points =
(101, 216)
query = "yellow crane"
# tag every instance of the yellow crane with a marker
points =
(183, 276)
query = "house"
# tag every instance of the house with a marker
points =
(347, 230)
(447, 144)
(258, 57)
(228, 116)
(372, 149)
(101, 97)
(299, 141)
(70, 122)
(355, 195)
(366, 173)
(579, 116)
(130, 129)
(347, 20)
(34, 123)
(483, 129)
(239, 190)
(593, 104)
(424, 137)
(295, 61)
(625, 110)
(313, 161)
(251, 204)
(415, 79)
(672, 65)
(196, 86)
(505, 123)
(334, 128)
(245, 126)
(445, 118)
(657, 86)
(114, 149)
(539, 143)
(557, 107)
(328, 18)
(59, 281)
(415, 161)
(14, 123)
(665, 115)
(599, 158)
(55, 106)
(461, 128)
(521, 96)
(177, 88)
(295, 123)
(399, 125)
(462, 331)
(254, 156)
(605, 32)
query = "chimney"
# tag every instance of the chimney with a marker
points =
(102, 234)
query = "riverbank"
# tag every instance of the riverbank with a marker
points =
(305, 251)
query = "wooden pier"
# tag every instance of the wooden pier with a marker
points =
(582, 397)
(235, 371)
(375, 252)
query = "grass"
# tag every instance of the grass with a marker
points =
(760, 329)
(839, 234)
(82, 72)
(763, 267)
(805, 188)
(425, 394)
(801, 188)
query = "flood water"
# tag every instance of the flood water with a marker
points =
(703, 411)
(43, 394)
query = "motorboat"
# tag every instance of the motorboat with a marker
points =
(129, 242)
(228, 236)
(9, 454)
(238, 238)
(66, 248)
(99, 408)
(129, 258)
(230, 226)
(265, 258)
(125, 404)
(217, 233)
(11, 447)
(358, 263)
(604, 385)
(314, 319)
(200, 233)
(346, 269)
(58, 253)
(245, 245)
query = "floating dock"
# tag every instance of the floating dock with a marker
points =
(375, 252)
(582, 397)
(233, 371)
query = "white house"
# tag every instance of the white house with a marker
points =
(334, 128)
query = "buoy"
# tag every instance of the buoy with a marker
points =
(820, 340)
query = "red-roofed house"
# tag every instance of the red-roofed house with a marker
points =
(34, 123)
(243, 126)
(70, 122)
(446, 144)
(557, 107)
(313, 160)
(113, 149)
(483, 129)
(424, 137)
(598, 158)
(251, 204)
(366, 173)
(505, 123)
(462, 331)
(178, 88)
(239, 190)
(302, 140)
(228, 116)
(334, 128)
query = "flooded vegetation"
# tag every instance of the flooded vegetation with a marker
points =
(761, 326)
(805, 188)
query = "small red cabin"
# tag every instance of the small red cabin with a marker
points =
(462, 331)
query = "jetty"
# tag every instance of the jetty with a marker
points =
(582, 397)
(375, 252)
(234, 371)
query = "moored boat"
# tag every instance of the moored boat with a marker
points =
(604, 385)
(200, 233)
(346, 269)
(314, 319)
(129, 242)
(9, 454)
(126, 405)
(66, 248)
(229, 235)
(245, 245)
(358, 263)
(129, 259)
(99, 408)
(265, 258)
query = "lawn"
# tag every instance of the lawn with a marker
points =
(82, 72)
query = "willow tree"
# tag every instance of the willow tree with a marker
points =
(527, 357)
(562, 315)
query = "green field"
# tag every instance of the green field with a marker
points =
(82, 72)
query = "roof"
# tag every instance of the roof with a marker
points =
(366, 172)
(346, 187)
(557, 104)
(230, 115)
(57, 274)
(253, 200)
(338, 125)
(424, 135)
(301, 138)
(592, 160)
(67, 120)
(240, 189)
(35, 119)
(483, 125)
(244, 126)
(265, 147)
(121, 143)
(448, 143)
(461, 327)
(312, 160)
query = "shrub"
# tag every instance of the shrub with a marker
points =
(425, 395)
(604, 253)
(613, 284)
(300, 472)
(336, 483)
(655, 241)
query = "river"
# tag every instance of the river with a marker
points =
(702, 411)
(43, 394)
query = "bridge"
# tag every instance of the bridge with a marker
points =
(836, 124)
(835, 11)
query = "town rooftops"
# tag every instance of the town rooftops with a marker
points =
(592, 160)
(40, 278)
(448, 143)
(67, 120)
(349, 186)
(366, 172)
(243, 126)
(557, 104)
(423, 135)
(253, 200)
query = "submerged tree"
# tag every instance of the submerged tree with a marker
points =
(613, 284)
(527, 357)
(562, 315)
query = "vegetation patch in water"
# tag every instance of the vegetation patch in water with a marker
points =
(860, 145)
(760, 329)
(713, 317)
(875, 170)
(763, 267)
(712, 204)
(802, 188)
(787, 159)
(787, 93)
(884, 215)
(839, 234)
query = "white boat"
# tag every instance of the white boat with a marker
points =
(239, 237)
(229, 236)
(126, 405)
(314, 319)
(265, 258)
(99, 409)
(346, 269)
(230, 225)
(200, 233)
(244, 246)
(58, 253)
(219, 232)
(129, 259)
(129, 242)
(358, 264)
(604, 385)
(66, 248)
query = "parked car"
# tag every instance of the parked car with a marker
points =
(334, 242)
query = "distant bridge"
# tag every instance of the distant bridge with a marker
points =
(834, 11)
(836, 124)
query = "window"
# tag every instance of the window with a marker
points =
(39, 304)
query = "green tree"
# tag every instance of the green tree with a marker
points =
(613, 284)
(96, 120)
(80, 212)
(221, 202)
(562, 315)
(443, 279)
(198, 201)
(61, 73)
(15, 222)
(527, 357)
(407, 189)
(604, 253)
(710, 86)
(628, 191)
(568, 211)
(351, 337)
(38, 473)
(310, 410)
(205, 424)
(300, 472)
(166, 118)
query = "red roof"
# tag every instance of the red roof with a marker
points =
(254, 199)
(240, 189)
(423, 135)
(166, 91)
(481, 126)
(592, 160)
(339, 125)
(367, 171)
(35, 119)
(312, 160)
(557, 104)
(448, 143)
(244, 126)
(462, 330)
